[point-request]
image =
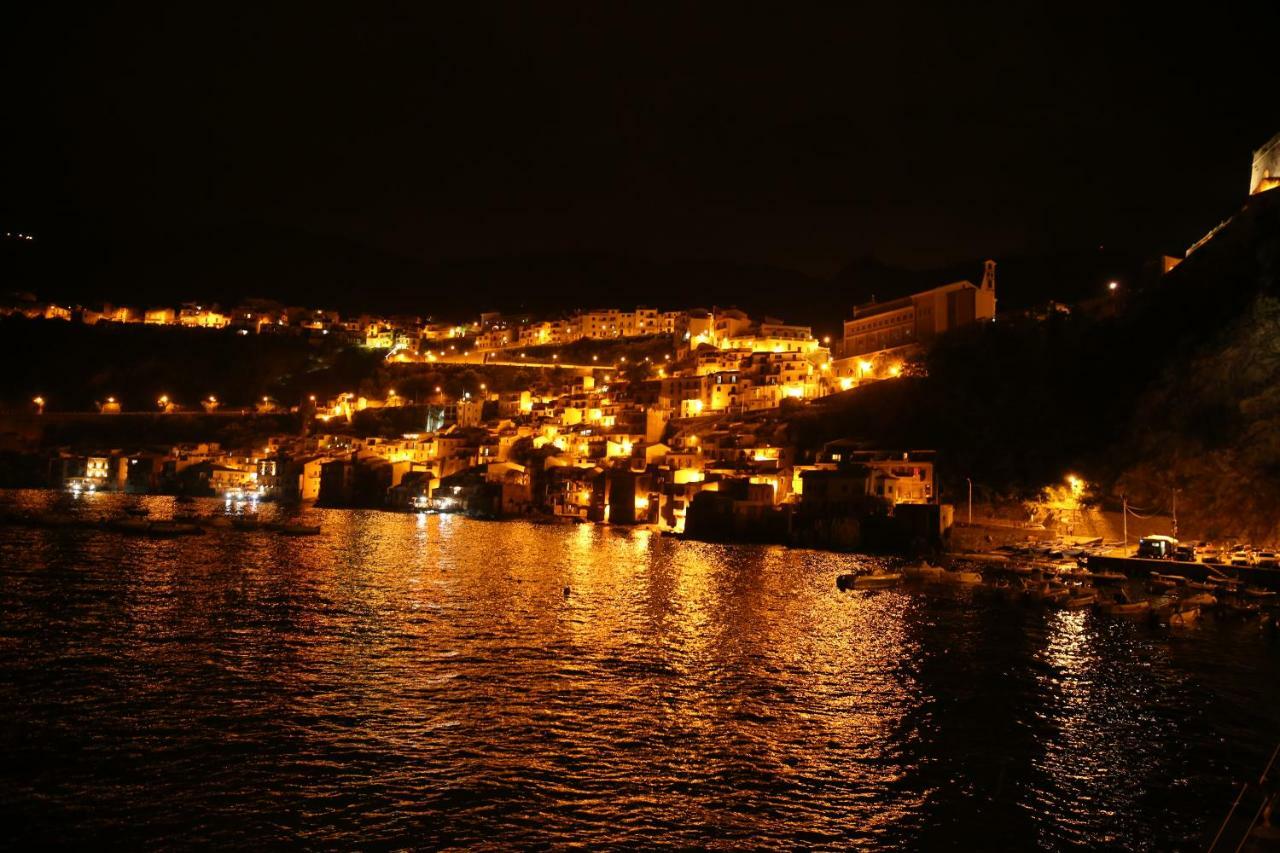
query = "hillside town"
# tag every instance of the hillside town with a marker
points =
(606, 442)
(679, 419)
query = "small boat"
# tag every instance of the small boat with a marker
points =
(166, 529)
(960, 576)
(1118, 608)
(1080, 600)
(1160, 581)
(1106, 577)
(875, 580)
(923, 572)
(1240, 608)
(1046, 592)
(1184, 617)
(1200, 585)
(1120, 603)
(1258, 592)
(1200, 599)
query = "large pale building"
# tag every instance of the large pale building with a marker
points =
(921, 317)
(1265, 174)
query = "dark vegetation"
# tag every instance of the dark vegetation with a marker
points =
(74, 366)
(1179, 391)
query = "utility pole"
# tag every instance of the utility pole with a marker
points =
(1125, 515)
(1175, 513)
(970, 482)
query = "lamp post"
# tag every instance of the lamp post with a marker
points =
(970, 482)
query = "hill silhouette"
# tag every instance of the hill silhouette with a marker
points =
(227, 265)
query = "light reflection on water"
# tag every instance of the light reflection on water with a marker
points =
(431, 681)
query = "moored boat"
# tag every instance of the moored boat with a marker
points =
(1080, 599)
(1159, 581)
(1120, 603)
(874, 580)
(962, 576)
(923, 572)
(172, 528)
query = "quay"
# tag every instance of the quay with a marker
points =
(1141, 567)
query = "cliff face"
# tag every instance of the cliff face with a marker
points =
(1209, 425)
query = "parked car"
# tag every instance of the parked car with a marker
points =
(1157, 547)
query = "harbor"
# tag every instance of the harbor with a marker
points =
(634, 686)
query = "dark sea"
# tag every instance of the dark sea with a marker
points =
(413, 681)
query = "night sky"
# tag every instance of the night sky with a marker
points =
(753, 135)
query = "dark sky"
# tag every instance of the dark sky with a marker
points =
(750, 133)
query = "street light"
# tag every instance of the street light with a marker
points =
(39, 401)
(1113, 286)
(970, 482)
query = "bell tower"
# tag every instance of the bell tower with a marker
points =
(989, 276)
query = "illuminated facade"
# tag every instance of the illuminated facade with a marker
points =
(918, 319)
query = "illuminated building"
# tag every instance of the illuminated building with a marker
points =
(920, 318)
(1265, 173)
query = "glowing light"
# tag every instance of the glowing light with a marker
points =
(846, 383)
(1113, 286)
(895, 370)
(864, 366)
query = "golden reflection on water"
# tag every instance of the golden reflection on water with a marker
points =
(452, 681)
